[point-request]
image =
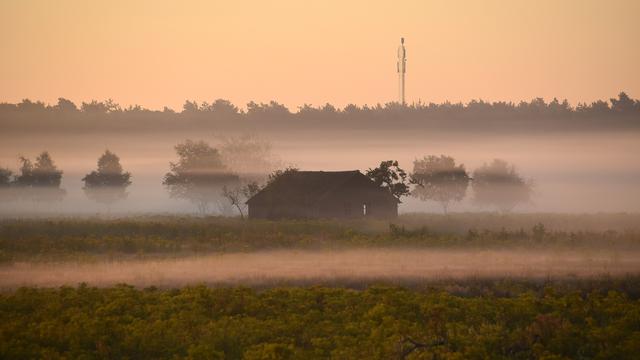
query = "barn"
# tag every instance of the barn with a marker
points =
(322, 194)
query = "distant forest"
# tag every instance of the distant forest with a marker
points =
(619, 113)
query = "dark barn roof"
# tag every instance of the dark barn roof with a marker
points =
(304, 187)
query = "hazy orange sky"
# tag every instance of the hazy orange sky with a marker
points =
(157, 53)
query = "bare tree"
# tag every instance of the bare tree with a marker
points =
(237, 196)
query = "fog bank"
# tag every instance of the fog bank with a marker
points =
(571, 172)
(326, 266)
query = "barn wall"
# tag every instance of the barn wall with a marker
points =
(342, 210)
(282, 211)
(343, 202)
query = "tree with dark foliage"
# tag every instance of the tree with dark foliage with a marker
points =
(499, 185)
(199, 175)
(280, 172)
(390, 176)
(109, 182)
(439, 179)
(66, 106)
(623, 104)
(40, 181)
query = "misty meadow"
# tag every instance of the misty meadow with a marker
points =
(319, 180)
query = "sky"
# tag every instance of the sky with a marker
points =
(161, 53)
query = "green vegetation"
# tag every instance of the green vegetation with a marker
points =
(498, 320)
(472, 318)
(59, 239)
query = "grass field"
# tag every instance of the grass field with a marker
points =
(463, 286)
(140, 237)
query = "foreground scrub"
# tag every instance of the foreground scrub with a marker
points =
(459, 320)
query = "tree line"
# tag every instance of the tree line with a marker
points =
(205, 176)
(27, 115)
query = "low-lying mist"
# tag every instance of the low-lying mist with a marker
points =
(582, 172)
(358, 265)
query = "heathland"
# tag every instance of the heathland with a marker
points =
(463, 285)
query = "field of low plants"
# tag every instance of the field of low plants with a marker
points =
(79, 238)
(595, 319)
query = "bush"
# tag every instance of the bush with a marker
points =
(533, 320)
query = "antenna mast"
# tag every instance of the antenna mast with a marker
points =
(402, 69)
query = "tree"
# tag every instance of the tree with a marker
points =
(29, 106)
(249, 156)
(498, 184)
(40, 181)
(439, 179)
(199, 174)
(237, 196)
(5, 183)
(390, 176)
(279, 173)
(97, 107)
(109, 182)
(222, 109)
(190, 107)
(65, 105)
(45, 172)
(623, 104)
(271, 111)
